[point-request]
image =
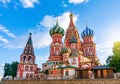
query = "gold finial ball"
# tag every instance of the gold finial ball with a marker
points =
(30, 33)
(71, 15)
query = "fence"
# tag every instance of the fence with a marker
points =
(80, 81)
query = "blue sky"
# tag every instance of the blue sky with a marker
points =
(19, 17)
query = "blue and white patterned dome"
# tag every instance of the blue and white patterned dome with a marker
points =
(87, 32)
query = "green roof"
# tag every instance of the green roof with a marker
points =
(60, 67)
(65, 50)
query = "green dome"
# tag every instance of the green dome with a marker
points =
(73, 40)
(65, 50)
(57, 30)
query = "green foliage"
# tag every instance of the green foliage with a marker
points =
(109, 59)
(7, 69)
(46, 72)
(10, 69)
(116, 48)
(114, 60)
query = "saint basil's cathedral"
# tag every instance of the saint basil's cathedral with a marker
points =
(71, 59)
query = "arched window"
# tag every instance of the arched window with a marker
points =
(31, 68)
(31, 75)
(86, 53)
(29, 58)
(56, 52)
(73, 61)
(24, 58)
(26, 68)
(91, 51)
(27, 75)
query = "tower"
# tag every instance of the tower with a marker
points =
(72, 31)
(27, 67)
(55, 47)
(89, 47)
(65, 54)
(73, 42)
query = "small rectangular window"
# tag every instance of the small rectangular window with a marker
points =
(66, 73)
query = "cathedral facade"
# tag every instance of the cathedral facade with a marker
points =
(73, 55)
(68, 60)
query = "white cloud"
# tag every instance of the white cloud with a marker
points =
(29, 3)
(110, 34)
(16, 4)
(63, 20)
(64, 5)
(2, 65)
(0, 77)
(7, 32)
(3, 39)
(104, 49)
(41, 38)
(3, 29)
(48, 21)
(77, 1)
(41, 58)
(5, 2)
(18, 42)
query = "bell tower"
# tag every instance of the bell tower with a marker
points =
(27, 67)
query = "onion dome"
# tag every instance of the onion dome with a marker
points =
(87, 32)
(57, 30)
(65, 50)
(73, 40)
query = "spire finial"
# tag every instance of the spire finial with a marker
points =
(86, 24)
(71, 24)
(30, 34)
(57, 21)
(71, 16)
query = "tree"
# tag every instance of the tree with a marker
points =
(14, 66)
(10, 69)
(116, 48)
(109, 59)
(46, 72)
(7, 69)
(114, 60)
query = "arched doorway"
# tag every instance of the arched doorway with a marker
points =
(27, 75)
(31, 75)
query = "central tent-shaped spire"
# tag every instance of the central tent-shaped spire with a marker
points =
(71, 24)
(28, 50)
(72, 32)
